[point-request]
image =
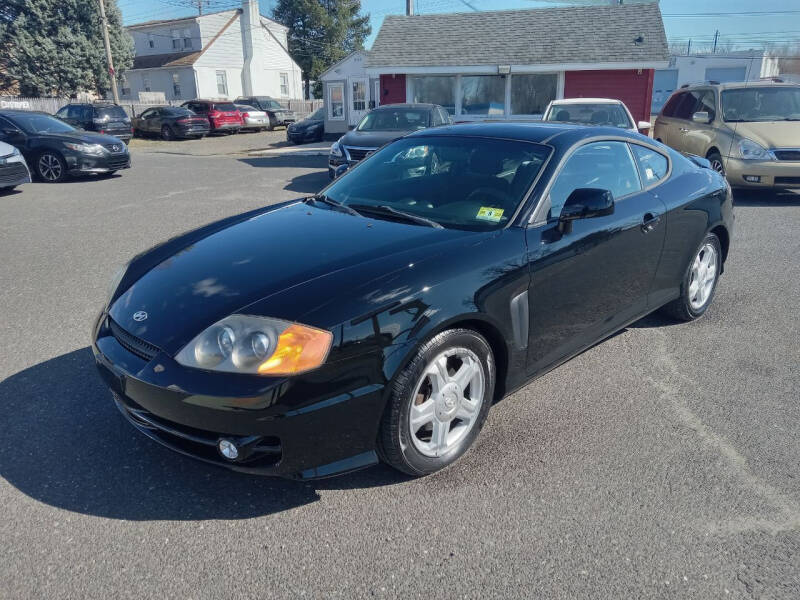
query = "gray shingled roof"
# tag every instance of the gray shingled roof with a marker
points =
(578, 34)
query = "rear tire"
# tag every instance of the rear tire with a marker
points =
(699, 282)
(167, 134)
(446, 391)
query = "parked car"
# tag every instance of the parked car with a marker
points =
(170, 122)
(222, 116)
(749, 131)
(310, 129)
(278, 115)
(55, 149)
(13, 169)
(253, 118)
(445, 271)
(101, 117)
(380, 126)
(593, 111)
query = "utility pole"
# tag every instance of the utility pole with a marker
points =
(716, 36)
(689, 47)
(111, 73)
(200, 7)
(409, 7)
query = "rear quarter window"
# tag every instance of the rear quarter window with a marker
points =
(653, 166)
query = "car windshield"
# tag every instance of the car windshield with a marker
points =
(395, 119)
(36, 123)
(761, 104)
(458, 182)
(318, 115)
(110, 112)
(613, 115)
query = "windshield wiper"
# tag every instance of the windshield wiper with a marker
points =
(331, 202)
(384, 210)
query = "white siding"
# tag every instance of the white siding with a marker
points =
(207, 83)
(161, 81)
(162, 37)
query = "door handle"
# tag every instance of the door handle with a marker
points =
(649, 222)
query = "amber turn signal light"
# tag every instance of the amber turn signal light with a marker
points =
(299, 349)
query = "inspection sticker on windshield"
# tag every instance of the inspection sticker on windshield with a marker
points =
(487, 213)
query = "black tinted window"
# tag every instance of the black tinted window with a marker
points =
(177, 112)
(686, 107)
(110, 112)
(226, 106)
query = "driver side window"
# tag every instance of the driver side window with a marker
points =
(603, 165)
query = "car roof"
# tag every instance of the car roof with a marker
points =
(586, 101)
(419, 105)
(556, 134)
(733, 85)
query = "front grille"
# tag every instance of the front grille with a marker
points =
(358, 153)
(134, 345)
(258, 451)
(115, 148)
(787, 180)
(789, 154)
(12, 172)
(119, 162)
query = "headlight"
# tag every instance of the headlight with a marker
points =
(336, 150)
(14, 152)
(750, 150)
(96, 149)
(115, 281)
(258, 346)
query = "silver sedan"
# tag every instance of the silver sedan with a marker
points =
(253, 118)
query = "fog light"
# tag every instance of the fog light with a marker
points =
(752, 178)
(228, 449)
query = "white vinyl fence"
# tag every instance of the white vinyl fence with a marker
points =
(303, 108)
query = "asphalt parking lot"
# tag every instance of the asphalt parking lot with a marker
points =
(662, 463)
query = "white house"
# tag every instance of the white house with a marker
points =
(747, 65)
(348, 92)
(218, 55)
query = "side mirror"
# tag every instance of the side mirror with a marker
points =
(643, 125)
(340, 170)
(585, 203)
(701, 117)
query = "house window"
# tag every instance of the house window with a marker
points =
(151, 43)
(146, 83)
(359, 95)
(336, 101)
(176, 85)
(435, 90)
(176, 39)
(222, 83)
(530, 94)
(126, 87)
(483, 95)
(284, 84)
(187, 40)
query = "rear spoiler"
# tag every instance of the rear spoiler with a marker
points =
(698, 160)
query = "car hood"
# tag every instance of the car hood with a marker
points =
(770, 134)
(253, 259)
(82, 137)
(305, 123)
(371, 139)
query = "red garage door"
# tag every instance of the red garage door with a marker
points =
(633, 89)
(393, 89)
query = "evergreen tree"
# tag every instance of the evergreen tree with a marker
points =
(55, 47)
(322, 32)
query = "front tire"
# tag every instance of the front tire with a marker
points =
(716, 162)
(438, 403)
(50, 167)
(699, 282)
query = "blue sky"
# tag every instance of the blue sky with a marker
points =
(690, 16)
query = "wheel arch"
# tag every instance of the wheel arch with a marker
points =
(724, 239)
(713, 150)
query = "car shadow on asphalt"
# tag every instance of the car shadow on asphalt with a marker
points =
(307, 183)
(66, 445)
(765, 198)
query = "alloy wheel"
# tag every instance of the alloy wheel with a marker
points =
(447, 401)
(50, 167)
(716, 164)
(703, 276)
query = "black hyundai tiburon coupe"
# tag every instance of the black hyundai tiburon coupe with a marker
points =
(381, 318)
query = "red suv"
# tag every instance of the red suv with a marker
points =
(222, 116)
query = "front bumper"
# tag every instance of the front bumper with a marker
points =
(317, 425)
(770, 173)
(89, 163)
(304, 135)
(13, 172)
